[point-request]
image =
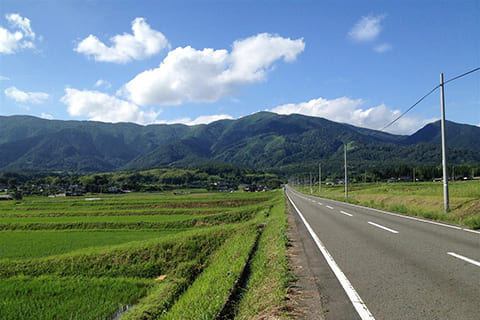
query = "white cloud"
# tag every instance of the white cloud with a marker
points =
(99, 106)
(199, 120)
(384, 47)
(3, 78)
(367, 28)
(19, 36)
(143, 43)
(21, 23)
(349, 111)
(103, 83)
(26, 97)
(46, 116)
(207, 75)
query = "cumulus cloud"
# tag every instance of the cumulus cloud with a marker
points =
(19, 36)
(26, 97)
(190, 75)
(99, 106)
(3, 78)
(367, 28)
(103, 83)
(384, 47)
(46, 116)
(143, 43)
(349, 111)
(199, 120)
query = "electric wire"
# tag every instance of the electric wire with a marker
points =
(429, 93)
(413, 106)
(462, 75)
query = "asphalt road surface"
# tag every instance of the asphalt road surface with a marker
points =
(392, 266)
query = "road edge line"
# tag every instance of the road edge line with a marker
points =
(352, 294)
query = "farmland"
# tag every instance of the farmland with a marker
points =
(143, 256)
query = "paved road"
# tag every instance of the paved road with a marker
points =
(398, 267)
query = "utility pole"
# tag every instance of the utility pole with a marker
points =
(346, 177)
(319, 177)
(453, 173)
(444, 148)
(311, 190)
(414, 176)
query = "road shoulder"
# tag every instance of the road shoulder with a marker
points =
(316, 292)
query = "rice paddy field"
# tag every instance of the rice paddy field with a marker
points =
(143, 256)
(423, 199)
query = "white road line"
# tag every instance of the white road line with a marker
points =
(472, 231)
(329, 207)
(453, 254)
(346, 213)
(382, 227)
(352, 294)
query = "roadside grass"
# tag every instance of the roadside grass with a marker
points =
(36, 244)
(67, 298)
(423, 199)
(265, 292)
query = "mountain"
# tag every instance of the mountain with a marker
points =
(458, 135)
(261, 140)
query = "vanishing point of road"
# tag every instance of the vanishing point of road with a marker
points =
(389, 266)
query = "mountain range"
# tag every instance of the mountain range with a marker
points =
(262, 141)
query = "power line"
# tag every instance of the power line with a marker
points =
(429, 93)
(413, 106)
(462, 75)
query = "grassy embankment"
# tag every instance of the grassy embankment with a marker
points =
(227, 246)
(424, 199)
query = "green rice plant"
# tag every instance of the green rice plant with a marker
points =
(35, 244)
(145, 259)
(68, 298)
(131, 222)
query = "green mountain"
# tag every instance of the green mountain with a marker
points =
(261, 140)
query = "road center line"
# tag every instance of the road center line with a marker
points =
(453, 254)
(329, 207)
(352, 294)
(346, 213)
(382, 227)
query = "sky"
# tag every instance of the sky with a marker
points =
(194, 62)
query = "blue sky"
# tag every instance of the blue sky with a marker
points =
(194, 62)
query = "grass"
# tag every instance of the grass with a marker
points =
(267, 286)
(423, 199)
(205, 298)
